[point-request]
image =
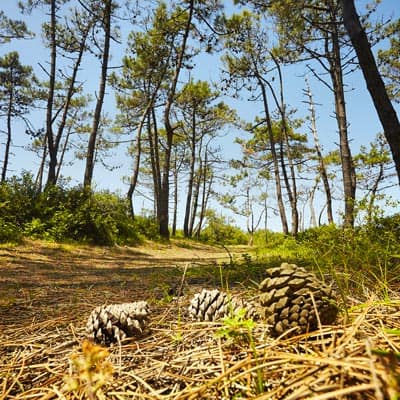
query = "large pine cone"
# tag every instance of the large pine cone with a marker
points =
(112, 323)
(212, 305)
(292, 297)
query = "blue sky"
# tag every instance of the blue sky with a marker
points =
(362, 117)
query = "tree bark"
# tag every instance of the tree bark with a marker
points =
(176, 188)
(152, 131)
(191, 176)
(51, 177)
(321, 162)
(90, 157)
(291, 185)
(8, 142)
(348, 171)
(275, 160)
(376, 87)
(163, 210)
(67, 103)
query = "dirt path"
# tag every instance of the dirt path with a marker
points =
(39, 280)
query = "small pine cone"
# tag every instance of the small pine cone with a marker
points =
(292, 297)
(112, 323)
(212, 305)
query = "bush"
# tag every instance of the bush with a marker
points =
(219, 230)
(9, 232)
(147, 227)
(366, 256)
(17, 198)
(69, 214)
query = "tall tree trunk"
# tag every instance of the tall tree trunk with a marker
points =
(154, 157)
(191, 177)
(90, 157)
(376, 87)
(136, 165)
(313, 216)
(63, 151)
(207, 182)
(8, 142)
(348, 172)
(196, 195)
(275, 160)
(67, 102)
(163, 211)
(291, 186)
(136, 162)
(51, 177)
(321, 163)
(373, 192)
(40, 173)
(175, 209)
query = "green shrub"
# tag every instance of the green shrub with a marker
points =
(146, 226)
(9, 232)
(70, 214)
(17, 198)
(364, 257)
(35, 229)
(220, 230)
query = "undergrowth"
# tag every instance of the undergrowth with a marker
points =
(357, 262)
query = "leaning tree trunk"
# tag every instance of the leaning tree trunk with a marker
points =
(8, 142)
(291, 185)
(376, 87)
(189, 194)
(90, 157)
(321, 163)
(152, 135)
(348, 172)
(51, 177)
(275, 161)
(176, 195)
(163, 201)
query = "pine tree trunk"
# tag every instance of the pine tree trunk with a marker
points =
(275, 161)
(8, 142)
(154, 157)
(348, 171)
(291, 186)
(321, 162)
(175, 210)
(67, 103)
(373, 79)
(196, 195)
(163, 211)
(136, 163)
(90, 157)
(51, 177)
(191, 179)
(40, 173)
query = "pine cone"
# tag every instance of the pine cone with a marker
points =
(112, 323)
(212, 305)
(292, 297)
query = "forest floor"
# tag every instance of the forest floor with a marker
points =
(47, 292)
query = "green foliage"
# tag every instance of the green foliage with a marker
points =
(219, 230)
(68, 214)
(360, 258)
(17, 197)
(237, 328)
(9, 232)
(147, 227)
(389, 60)
(12, 29)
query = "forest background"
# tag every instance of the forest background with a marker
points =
(197, 111)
